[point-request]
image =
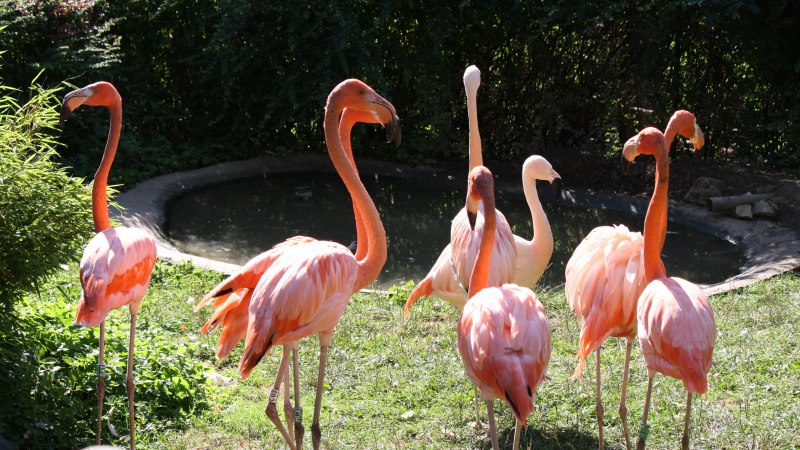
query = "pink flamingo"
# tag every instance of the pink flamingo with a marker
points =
(453, 267)
(675, 320)
(323, 274)
(117, 263)
(604, 278)
(231, 297)
(503, 333)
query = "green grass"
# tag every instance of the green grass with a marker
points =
(381, 367)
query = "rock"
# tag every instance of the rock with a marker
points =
(220, 380)
(744, 212)
(702, 189)
(763, 208)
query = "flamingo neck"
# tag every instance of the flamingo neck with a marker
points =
(346, 124)
(99, 202)
(371, 264)
(542, 234)
(480, 273)
(655, 222)
(475, 151)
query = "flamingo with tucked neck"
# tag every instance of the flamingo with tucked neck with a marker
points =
(503, 333)
(116, 264)
(604, 279)
(676, 326)
(305, 284)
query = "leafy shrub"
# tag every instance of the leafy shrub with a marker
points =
(48, 381)
(45, 214)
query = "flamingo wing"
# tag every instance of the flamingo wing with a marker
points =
(115, 271)
(465, 243)
(440, 282)
(304, 291)
(677, 331)
(604, 278)
(504, 340)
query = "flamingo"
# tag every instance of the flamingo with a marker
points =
(231, 297)
(116, 264)
(604, 279)
(303, 285)
(503, 332)
(675, 321)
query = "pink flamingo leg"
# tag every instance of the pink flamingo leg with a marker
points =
(623, 409)
(316, 432)
(644, 430)
(299, 431)
(101, 382)
(271, 410)
(517, 427)
(685, 440)
(492, 426)
(599, 410)
(287, 403)
(129, 380)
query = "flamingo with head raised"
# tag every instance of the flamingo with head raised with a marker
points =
(503, 333)
(604, 279)
(676, 326)
(117, 263)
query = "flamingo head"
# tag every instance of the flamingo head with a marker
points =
(688, 128)
(472, 80)
(101, 93)
(538, 168)
(480, 189)
(649, 141)
(357, 95)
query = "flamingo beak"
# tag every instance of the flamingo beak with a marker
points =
(698, 140)
(556, 185)
(629, 153)
(73, 100)
(472, 216)
(393, 131)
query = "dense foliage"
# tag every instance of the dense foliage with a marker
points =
(45, 214)
(211, 80)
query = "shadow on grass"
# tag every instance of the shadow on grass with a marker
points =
(562, 438)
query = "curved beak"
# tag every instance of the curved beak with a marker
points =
(629, 153)
(387, 116)
(699, 139)
(393, 131)
(556, 185)
(472, 209)
(73, 100)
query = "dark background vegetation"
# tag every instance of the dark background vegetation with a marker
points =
(210, 80)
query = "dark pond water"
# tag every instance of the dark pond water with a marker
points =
(235, 221)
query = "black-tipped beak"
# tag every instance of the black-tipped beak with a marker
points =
(64, 113)
(626, 165)
(556, 185)
(472, 217)
(393, 131)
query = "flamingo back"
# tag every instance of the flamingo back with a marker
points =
(115, 271)
(440, 282)
(677, 331)
(604, 278)
(465, 243)
(505, 344)
(303, 292)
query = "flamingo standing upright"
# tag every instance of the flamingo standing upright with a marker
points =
(676, 326)
(604, 278)
(117, 263)
(231, 297)
(503, 332)
(305, 284)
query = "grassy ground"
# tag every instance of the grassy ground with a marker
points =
(395, 383)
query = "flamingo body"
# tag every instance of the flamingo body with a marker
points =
(115, 271)
(504, 343)
(604, 278)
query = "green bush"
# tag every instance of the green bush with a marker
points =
(45, 214)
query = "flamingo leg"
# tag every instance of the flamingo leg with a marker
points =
(643, 431)
(599, 410)
(516, 435)
(101, 382)
(287, 403)
(478, 423)
(271, 410)
(129, 380)
(623, 409)
(492, 427)
(316, 432)
(299, 431)
(685, 440)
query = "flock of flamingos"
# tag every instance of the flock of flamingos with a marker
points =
(615, 281)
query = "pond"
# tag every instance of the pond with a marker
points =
(235, 221)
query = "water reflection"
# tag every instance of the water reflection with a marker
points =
(235, 221)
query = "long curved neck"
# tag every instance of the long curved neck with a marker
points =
(672, 130)
(348, 120)
(542, 234)
(480, 272)
(371, 264)
(99, 202)
(655, 222)
(475, 152)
